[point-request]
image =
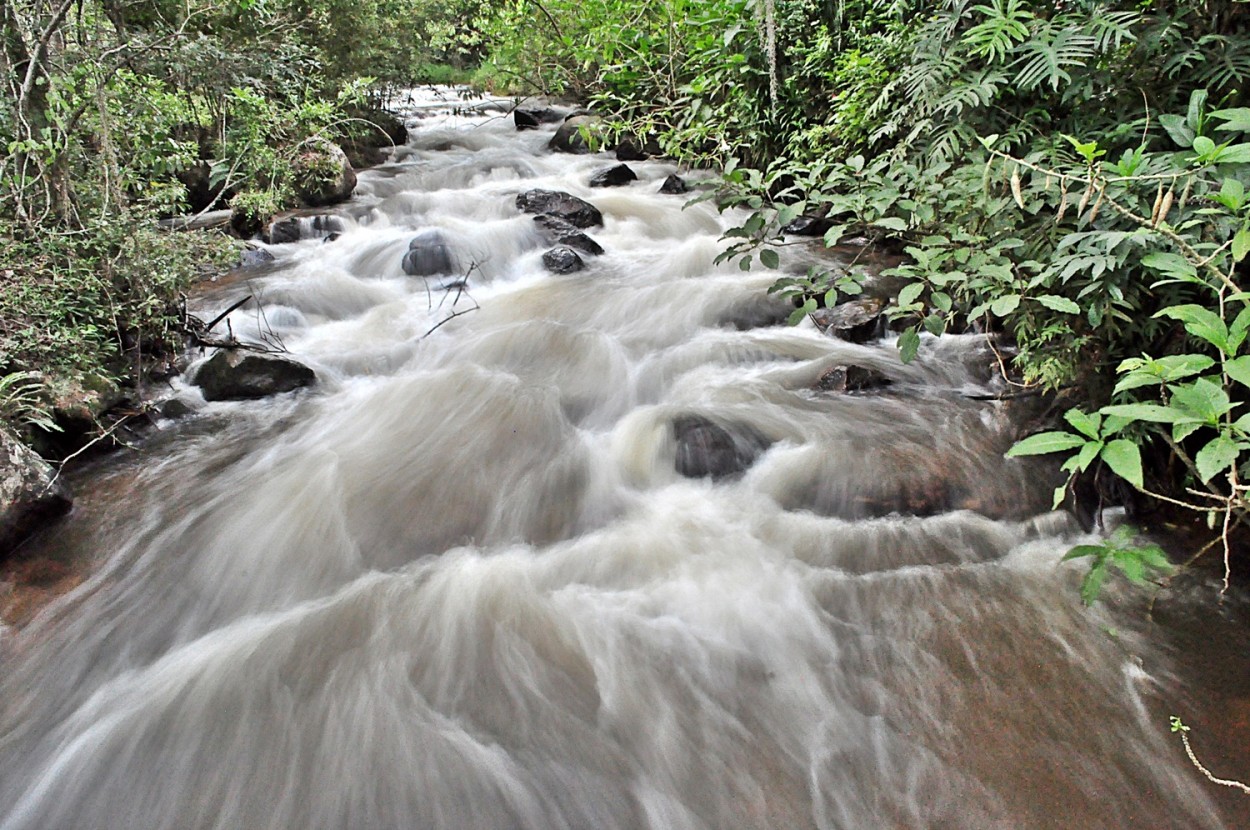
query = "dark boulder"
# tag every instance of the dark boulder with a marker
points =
(674, 185)
(571, 136)
(852, 379)
(532, 119)
(707, 448)
(428, 255)
(581, 242)
(629, 151)
(563, 260)
(294, 228)
(617, 176)
(807, 226)
(30, 492)
(576, 212)
(561, 232)
(857, 321)
(234, 374)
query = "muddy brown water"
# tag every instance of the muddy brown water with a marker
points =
(460, 584)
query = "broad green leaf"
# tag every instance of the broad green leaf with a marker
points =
(1236, 119)
(1241, 244)
(1130, 565)
(1237, 154)
(1087, 425)
(1087, 455)
(1046, 442)
(1204, 399)
(1055, 303)
(1204, 147)
(769, 258)
(1177, 129)
(1216, 456)
(908, 345)
(1154, 557)
(910, 293)
(891, 223)
(1200, 322)
(1151, 412)
(1173, 265)
(1124, 459)
(1005, 305)
(1060, 494)
(1239, 369)
(1091, 585)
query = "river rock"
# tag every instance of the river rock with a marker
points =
(428, 255)
(30, 493)
(563, 260)
(532, 119)
(857, 321)
(627, 150)
(323, 175)
(236, 374)
(852, 378)
(617, 176)
(577, 212)
(807, 226)
(254, 258)
(561, 232)
(569, 137)
(294, 228)
(707, 448)
(674, 185)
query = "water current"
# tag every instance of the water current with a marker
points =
(461, 584)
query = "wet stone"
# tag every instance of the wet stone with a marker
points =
(532, 119)
(234, 374)
(852, 379)
(428, 255)
(617, 176)
(807, 226)
(857, 321)
(674, 185)
(562, 260)
(707, 448)
(569, 137)
(564, 206)
(254, 258)
(30, 492)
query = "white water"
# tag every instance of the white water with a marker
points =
(460, 584)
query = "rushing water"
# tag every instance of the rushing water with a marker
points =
(460, 584)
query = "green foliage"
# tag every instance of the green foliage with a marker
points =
(1122, 552)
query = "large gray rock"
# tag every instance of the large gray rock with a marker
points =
(577, 212)
(570, 136)
(563, 233)
(674, 185)
(235, 374)
(30, 493)
(428, 255)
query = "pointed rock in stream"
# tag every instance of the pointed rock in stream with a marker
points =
(235, 374)
(563, 260)
(857, 321)
(428, 255)
(674, 185)
(617, 176)
(30, 492)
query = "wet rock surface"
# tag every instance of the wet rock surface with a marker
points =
(31, 494)
(674, 185)
(617, 176)
(569, 137)
(852, 378)
(857, 321)
(563, 260)
(428, 255)
(707, 448)
(235, 374)
(532, 118)
(564, 206)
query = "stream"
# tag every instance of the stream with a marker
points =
(460, 583)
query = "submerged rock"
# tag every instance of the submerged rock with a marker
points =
(294, 228)
(857, 321)
(577, 212)
(532, 119)
(627, 150)
(254, 258)
(706, 448)
(30, 492)
(563, 260)
(235, 374)
(674, 185)
(428, 255)
(617, 176)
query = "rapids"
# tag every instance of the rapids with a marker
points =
(460, 584)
